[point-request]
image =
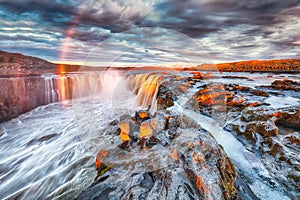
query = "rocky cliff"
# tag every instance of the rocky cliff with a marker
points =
(19, 95)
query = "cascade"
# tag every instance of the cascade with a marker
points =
(27, 93)
(145, 87)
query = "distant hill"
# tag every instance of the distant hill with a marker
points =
(19, 64)
(285, 65)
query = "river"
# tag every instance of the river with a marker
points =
(49, 152)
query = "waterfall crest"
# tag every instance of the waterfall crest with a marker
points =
(145, 87)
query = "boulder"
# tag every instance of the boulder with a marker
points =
(285, 85)
(289, 119)
(165, 97)
(260, 93)
(273, 135)
(215, 98)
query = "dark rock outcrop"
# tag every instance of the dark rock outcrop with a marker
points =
(15, 63)
(183, 162)
(284, 85)
(165, 97)
(216, 98)
(19, 95)
(260, 93)
(289, 118)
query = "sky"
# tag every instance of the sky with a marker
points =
(146, 32)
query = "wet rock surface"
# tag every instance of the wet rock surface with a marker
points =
(272, 133)
(165, 97)
(222, 98)
(165, 156)
(285, 85)
(289, 118)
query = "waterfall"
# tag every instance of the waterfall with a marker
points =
(113, 84)
(60, 88)
(51, 92)
(145, 87)
(27, 93)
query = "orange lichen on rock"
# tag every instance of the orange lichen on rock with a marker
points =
(145, 130)
(124, 134)
(174, 154)
(198, 157)
(190, 145)
(197, 75)
(213, 98)
(100, 157)
(236, 101)
(200, 185)
(213, 95)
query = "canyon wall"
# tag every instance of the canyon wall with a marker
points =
(19, 95)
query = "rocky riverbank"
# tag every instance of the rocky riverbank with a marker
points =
(169, 156)
(270, 132)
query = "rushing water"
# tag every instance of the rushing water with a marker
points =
(48, 153)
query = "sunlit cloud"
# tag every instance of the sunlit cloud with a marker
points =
(139, 31)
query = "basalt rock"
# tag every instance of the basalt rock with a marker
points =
(185, 163)
(273, 135)
(20, 95)
(165, 97)
(260, 93)
(289, 118)
(285, 85)
(197, 76)
(215, 98)
(279, 155)
(253, 113)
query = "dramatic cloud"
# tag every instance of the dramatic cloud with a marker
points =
(155, 31)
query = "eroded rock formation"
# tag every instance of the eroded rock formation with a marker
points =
(178, 159)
